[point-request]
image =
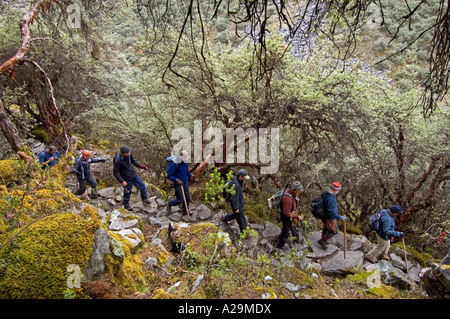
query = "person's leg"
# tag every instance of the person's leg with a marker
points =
(240, 218)
(82, 184)
(178, 196)
(91, 180)
(285, 231)
(373, 254)
(141, 187)
(127, 194)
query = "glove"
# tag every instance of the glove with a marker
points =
(102, 160)
(402, 235)
(343, 218)
(144, 167)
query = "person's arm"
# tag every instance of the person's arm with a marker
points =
(332, 209)
(388, 227)
(116, 171)
(288, 207)
(97, 160)
(171, 172)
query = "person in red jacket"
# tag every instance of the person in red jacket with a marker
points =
(289, 213)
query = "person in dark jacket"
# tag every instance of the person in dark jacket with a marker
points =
(179, 174)
(330, 209)
(82, 168)
(289, 213)
(384, 234)
(49, 157)
(237, 200)
(127, 176)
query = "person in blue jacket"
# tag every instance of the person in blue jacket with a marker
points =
(82, 168)
(384, 234)
(330, 209)
(179, 174)
(49, 157)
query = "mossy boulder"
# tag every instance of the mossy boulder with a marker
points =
(35, 264)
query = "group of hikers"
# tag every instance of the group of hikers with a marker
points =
(178, 172)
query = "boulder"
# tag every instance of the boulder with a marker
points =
(391, 275)
(271, 232)
(133, 235)
(204, 212)
(95, 266)
(106, 192)
(436, 281)
(119, 221)
(399, 262)
(319, 252)
(336, 264)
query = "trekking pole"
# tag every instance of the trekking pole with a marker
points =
(185, 202)
(406, 260)
(345, 239)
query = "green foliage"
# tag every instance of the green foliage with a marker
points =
(214, 187)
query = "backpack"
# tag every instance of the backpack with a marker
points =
(169, 161)
(227, 190)
(375, 221)
(316, 208)
(276, 200)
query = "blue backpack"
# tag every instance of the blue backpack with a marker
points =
(375, 221)
(169, 161)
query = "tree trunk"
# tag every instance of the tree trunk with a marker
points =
(9, 130)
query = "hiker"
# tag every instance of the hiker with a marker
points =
(49, 157)
(384, 234)
(289, 213)
(127, 176)
(179, 174)
(82, 168)
(237, 200)
(330, 209)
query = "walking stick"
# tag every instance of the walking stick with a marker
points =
(406, 260)
(185, 202)
(345, 239)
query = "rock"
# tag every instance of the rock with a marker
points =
(119, 221)
(293, 288)
(271, 231)
(95, 266)
(338, 265)
(132, 235)
(160, 202)
(176, 217)
(391, 275)
(399, 262)
(436, 282)
(162, 221)
(320, 253)
(203, 212)
(106, 192)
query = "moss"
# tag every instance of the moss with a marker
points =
(36, 263)
(40, 135)
(424, 259)
(7, 170)
(353, 229)
(384, 291)
(162, 294)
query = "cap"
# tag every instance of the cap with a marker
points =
(86, 153)
(396, 209)
(336, 186)
(243, 173)
(297, 186)
(124, 149)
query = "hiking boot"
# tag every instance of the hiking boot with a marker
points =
(94, 196)
(128, 207)
(146, 201)
(386, 258)
(323, 244)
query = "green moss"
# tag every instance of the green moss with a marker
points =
(424, 259)
(40, 135)
(7, 170)
(36, 263)
(386, 292)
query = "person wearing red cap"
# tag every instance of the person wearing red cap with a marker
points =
(82, 168)
(332, 214)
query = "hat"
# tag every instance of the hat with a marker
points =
(336, 186)
(396, 209)
(243, 173)
(297, 186)
(86, 153)
(124, 149)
